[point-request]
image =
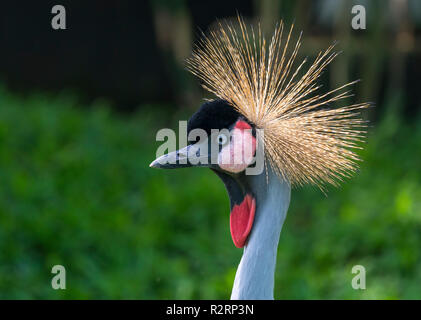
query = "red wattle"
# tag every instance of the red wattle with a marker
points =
(241, 220)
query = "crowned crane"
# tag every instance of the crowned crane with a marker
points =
(262, 102)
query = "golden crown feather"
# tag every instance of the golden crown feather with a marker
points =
(305, 140)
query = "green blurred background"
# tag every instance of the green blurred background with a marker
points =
(79, 111)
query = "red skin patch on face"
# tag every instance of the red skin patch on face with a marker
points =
(242, 125)
(241, 220)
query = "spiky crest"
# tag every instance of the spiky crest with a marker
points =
(305, 142)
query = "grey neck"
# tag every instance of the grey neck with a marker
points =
(255, 274)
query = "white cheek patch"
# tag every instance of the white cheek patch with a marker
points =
(239, 153)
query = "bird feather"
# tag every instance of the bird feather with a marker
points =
(305, 139)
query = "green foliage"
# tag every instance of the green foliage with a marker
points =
(76, 189)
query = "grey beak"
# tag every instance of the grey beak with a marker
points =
(172, 160)
(192, 155)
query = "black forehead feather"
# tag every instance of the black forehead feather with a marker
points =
(217, 114)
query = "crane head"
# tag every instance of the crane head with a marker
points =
(263, 104)
(223, 140)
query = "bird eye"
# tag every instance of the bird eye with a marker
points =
(221, 139)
